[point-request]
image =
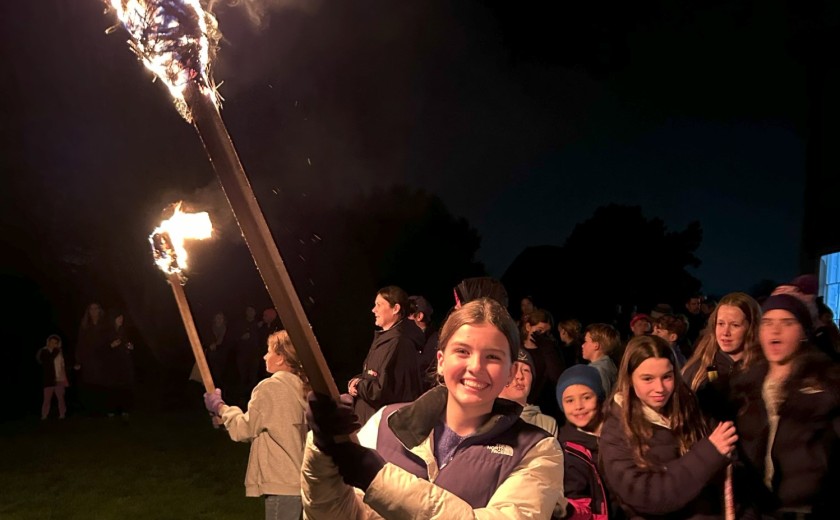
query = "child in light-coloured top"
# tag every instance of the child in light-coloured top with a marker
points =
(599, 342)
(275, 424)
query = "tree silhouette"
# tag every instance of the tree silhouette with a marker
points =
(394, 236)
(617, 259)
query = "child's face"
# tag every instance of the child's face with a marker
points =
(520, 387)
(653, 382)
(589, 347)
(780, 335)
(664, 334)
(640, 327)
(476, 366)
(53, 344)
(580, 405)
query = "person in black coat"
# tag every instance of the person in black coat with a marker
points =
(657, 456)
(789, 419)
(389, 374)
(729, 345)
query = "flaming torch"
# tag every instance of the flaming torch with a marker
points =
(177, 40)
(171, 257)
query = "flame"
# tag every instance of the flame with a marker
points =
(176, 40)
(168, 239)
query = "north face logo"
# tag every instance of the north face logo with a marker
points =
(501, 449)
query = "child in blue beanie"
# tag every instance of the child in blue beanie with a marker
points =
(580, 395)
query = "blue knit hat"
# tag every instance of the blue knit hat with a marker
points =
(580, 375)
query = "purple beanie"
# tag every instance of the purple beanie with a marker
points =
(580, 375)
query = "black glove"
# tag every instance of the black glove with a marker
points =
(357, 465)
(328, 419)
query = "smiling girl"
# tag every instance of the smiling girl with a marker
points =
(456, 452)
(580, 395)
(656, 457)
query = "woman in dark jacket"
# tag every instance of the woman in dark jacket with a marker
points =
(727, 346)
(789, 419)
(120, 366)
(389, 374)
(655, 455)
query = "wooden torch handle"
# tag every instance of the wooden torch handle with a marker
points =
(192, 333)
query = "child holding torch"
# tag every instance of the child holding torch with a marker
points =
(275, 424)
(456, 452)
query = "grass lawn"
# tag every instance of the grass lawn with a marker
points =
(153, 466)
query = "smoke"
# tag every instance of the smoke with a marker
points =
(258, 11)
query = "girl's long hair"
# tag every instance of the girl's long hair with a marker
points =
(281, 345)
(681, 409)
(707, 347)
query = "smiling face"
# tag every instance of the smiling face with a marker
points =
(520, 387)
(781, 335)
(580, 405)
(653, 382)
(475, 365)
(730, 330)
(384, 315)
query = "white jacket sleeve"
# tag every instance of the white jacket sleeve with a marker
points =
(531, 491)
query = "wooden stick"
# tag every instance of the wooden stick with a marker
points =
(222, 154)
(192, 333)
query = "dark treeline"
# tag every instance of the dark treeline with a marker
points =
(616, 261)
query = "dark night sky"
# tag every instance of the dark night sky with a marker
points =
(523, 121)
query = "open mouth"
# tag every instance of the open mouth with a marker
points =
(474, 385)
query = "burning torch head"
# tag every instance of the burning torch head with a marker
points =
(168, 239)
(164, 253)
(175, 39)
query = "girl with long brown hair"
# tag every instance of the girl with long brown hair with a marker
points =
(275, 424)
(656, 454)
(729, 344)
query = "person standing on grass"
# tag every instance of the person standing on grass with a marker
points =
(54, 376)
(275, 424)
